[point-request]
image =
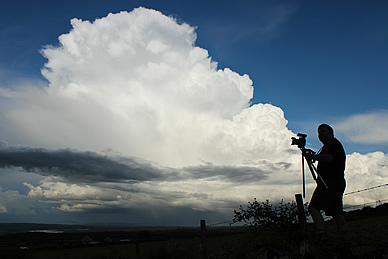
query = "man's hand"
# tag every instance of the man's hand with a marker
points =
(320, 157)
(308, 156)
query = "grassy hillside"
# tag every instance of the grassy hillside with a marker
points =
(367, 237)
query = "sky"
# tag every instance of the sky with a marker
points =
(169, 112)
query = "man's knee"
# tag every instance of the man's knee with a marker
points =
(312, 209)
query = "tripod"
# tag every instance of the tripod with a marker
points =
(313, 169)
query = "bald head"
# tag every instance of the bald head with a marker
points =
(325, 133)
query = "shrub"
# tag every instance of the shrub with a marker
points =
(264, 215)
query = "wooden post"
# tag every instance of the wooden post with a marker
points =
(137, 246)
(203, 239)
(301, 214)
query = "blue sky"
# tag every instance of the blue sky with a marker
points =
(314, 61)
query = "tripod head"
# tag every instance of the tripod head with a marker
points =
(307, 151)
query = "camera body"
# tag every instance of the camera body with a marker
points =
(300, 142)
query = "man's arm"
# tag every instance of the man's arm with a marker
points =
(323, 157)
(320, 157)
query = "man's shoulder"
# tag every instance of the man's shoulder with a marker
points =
(336, 144)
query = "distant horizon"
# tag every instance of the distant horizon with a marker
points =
(347, 209)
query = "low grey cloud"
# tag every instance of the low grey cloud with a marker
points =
(89, 167)
(231, 173)
(75, 165)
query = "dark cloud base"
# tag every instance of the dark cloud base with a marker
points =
(70, 164)
(91, 167)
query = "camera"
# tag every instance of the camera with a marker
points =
(301, 141)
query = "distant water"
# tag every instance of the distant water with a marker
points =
(48, 231)
(73, 228)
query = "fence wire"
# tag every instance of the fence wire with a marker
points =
(367, 189)
(230, 222)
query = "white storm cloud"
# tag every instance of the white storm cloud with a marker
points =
(136, 83)
(12, 202)
(365, 171)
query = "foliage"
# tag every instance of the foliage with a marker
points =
(264, 215)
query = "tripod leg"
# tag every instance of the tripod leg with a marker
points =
(320, 177)
(303, 178)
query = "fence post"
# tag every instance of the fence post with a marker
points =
(203, 239)
(301, 214)
(137, 246)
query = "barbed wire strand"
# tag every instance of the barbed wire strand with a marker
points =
(230, 222)
(364, 204)
(367, 189)
(221, 223)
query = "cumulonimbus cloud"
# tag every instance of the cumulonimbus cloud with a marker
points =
(136, 83)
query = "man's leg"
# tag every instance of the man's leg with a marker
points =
(341, 224)
(318, 220)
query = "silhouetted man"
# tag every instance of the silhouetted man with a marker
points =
(331, 167)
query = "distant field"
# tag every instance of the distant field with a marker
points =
(367, 236)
